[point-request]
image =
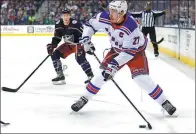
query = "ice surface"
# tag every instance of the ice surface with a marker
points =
(40, 106)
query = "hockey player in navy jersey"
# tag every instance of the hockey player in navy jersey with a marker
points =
(128, 48)
(70, 30)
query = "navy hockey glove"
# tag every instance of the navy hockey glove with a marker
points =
(50, 48)
(87, 44)
(110, 70)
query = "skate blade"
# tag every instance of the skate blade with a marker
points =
(62, 82)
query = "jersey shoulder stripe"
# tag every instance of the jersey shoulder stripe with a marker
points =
(124, 30)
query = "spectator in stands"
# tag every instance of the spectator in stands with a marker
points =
(31, 19)
(18, 11)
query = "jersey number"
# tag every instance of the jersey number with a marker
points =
(136, 40)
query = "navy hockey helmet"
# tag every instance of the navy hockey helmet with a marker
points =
(65, 11)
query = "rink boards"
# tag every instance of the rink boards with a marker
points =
(178, 43)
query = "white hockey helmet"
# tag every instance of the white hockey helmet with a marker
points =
(119, 5)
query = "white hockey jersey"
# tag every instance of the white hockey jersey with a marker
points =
(126, 39)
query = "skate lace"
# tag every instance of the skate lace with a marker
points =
(90, 77)
(59, 75)
(80, 103)
(167, 106)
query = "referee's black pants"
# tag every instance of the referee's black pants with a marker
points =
(152, 33)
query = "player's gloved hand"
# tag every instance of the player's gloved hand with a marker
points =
(91, 49)
(110, 70)
(87, 45)
(50, 48)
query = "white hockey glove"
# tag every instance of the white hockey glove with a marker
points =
(87, 44)
(110, 70)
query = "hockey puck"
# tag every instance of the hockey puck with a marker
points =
(142, 126)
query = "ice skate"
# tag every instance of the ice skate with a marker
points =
(171, 110)
(59, 80)
(79, 104)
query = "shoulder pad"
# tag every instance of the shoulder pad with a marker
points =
(58, 22)
(130, 25)
(74, 21)
(105, 15)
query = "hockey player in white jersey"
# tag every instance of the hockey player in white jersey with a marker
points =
(128, 48)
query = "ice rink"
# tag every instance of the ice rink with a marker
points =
(40, 106)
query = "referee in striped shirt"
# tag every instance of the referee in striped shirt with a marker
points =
(148, 21)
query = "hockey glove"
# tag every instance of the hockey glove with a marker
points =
(87, 45)
(110, 70)
(50, 48)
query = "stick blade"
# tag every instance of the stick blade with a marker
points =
(5, 123)
(160, 40)
(9, 89)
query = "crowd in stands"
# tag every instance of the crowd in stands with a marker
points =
(19, 12)
(80, 10)
(26, 12)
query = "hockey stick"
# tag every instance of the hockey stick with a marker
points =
(149, 125)
(15, 90)
(158, 41)
(4, 123)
